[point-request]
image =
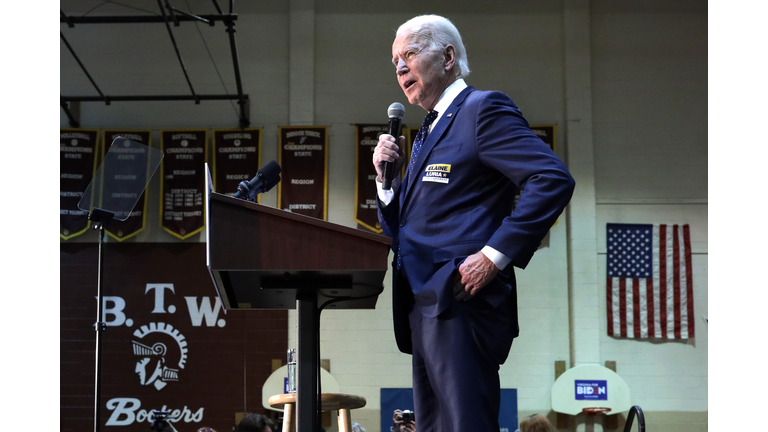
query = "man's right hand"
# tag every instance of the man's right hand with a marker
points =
(388, 151)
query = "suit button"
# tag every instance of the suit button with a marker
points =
(402, 222)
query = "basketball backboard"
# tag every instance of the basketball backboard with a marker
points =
(590, 386)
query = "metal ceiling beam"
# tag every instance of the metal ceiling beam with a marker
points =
(175, 47)
(82, 66)
(177, 17)
(141, 19)
(150, 98)
(236, 62)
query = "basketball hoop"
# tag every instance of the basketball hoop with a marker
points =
(595, 410)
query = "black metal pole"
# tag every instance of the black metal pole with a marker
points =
(236, 62)
(306, 374)
(150, 98)
(178, 54)
(100, 326)
(215, 4)
(77, 59)
(140, 19)
(640, 419)
(72, 120)
(187, 14)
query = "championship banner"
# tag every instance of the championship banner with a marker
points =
(183, 181)
(304, 161)
(236, 158)
(77, 164)
(546, 133)
(137, 220)
(168, 345)
(366, 138)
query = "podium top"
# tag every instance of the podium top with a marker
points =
(261, 257)
(300, 218)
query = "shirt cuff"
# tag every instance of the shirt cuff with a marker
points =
(385, 196)
(497, 257)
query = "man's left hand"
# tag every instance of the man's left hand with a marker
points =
(476, 271)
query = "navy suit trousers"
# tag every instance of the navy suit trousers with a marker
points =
(456, 358)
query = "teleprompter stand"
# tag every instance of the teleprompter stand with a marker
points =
(264, 258)
(100, 218)
(112, 194)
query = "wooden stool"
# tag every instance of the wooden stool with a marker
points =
(329, 402)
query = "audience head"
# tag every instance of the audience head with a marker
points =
(536, 423)
(255, 423)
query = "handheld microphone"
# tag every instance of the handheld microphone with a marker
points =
(266, 178)
(396, 112)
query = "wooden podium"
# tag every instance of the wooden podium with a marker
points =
(265, 258)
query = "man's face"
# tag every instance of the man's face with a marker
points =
(421, 70)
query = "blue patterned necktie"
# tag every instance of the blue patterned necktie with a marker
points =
(421, 136)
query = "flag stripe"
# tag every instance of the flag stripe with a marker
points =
(663, 279)
(623, 306)
(629, 325)
(643, 307)
(683, 309)
(616, 306)
(670, 315)
(689, 281)
(656, 283)
(609, 303)
(676, 281)
(649, 308)
(636, 306)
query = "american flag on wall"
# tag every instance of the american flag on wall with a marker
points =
(650, 281)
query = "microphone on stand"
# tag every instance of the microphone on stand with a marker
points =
(266, 178)
(396, 112)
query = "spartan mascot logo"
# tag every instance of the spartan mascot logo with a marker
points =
(153, 354)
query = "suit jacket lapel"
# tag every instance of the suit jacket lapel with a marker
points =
(432, 139)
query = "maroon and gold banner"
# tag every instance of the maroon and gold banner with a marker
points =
(546, 133)
(183, 181)
(304, 160)
(236, 157)
(137, 220)
(366, 138)
(168, 344)
(77, 164)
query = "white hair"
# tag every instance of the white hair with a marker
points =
(357, 428)
(439, 32)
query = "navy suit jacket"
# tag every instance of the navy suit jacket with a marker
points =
(460, 197)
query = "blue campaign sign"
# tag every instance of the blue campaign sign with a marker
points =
(402, 399)
(591, 390)
(508, 410)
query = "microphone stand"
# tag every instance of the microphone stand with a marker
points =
(100, 218)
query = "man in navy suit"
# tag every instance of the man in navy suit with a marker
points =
(455, 235)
